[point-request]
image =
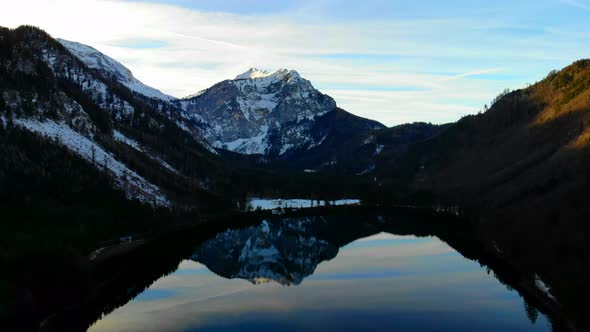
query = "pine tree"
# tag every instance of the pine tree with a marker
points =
(93, 155)
(2, 103)
(531, 312)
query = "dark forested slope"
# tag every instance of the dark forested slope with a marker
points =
(521, 172)
(141, 143)
(531, 148)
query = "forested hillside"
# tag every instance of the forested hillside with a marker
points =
(520, 172)
(529, 149)
(140, 142)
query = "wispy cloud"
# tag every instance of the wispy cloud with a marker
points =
(397, 65)
(140, 43)
(478, 73)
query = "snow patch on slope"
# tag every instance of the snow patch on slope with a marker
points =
(254, 73)
(195, 94)
(124, 139)
(253, 145)
(117, 135)
(318, 143)
(94, 87)
(135, 186)
(378, 149)
(97, 60)
(546, 290)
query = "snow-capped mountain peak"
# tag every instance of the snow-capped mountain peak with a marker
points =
(255, 73)
(97, 60)
(252, 73)
(260, 112)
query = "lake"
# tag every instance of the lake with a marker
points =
(328, 273)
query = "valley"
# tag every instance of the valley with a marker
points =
(100, 171)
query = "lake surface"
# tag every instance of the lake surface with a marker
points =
(327, 274)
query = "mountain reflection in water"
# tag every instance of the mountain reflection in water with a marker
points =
(347, 273)
(286, 251)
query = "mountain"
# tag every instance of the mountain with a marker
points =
(357, 152)
(275, 114)
(142, 143)
(151, 148)
(97, 60)
(278, 120)
(530, 148)
(278, 115)
(519, 172)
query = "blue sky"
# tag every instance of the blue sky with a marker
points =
(393, 61)
(539, 12)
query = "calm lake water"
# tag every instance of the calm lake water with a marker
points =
(321, 273)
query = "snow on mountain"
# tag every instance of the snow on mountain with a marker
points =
(260, 112)
(118, 136)
(135, 186)
(271, 113)
(254, 73)
(97, 60)
(80, 104)
(88, 83)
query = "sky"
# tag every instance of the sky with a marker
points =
(388, 60)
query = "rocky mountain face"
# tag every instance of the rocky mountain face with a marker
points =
(266, 113)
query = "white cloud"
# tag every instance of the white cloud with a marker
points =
(201, 49)
(478, 72)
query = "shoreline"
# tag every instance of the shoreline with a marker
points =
(130, 261)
